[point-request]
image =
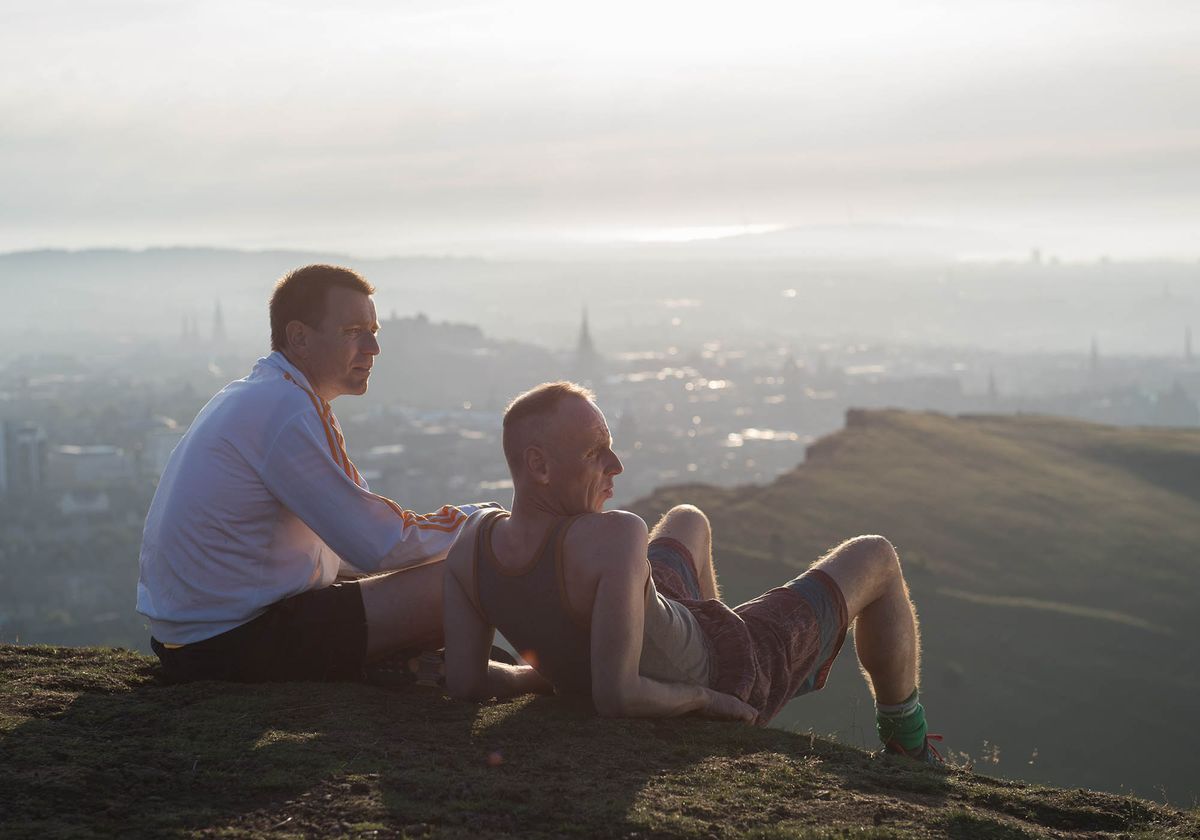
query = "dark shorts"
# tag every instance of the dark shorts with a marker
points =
(768, 650)
(319, 635)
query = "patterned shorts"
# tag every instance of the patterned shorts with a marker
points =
(768, 650)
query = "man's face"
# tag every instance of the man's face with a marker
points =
(580, 457)
(339, 352)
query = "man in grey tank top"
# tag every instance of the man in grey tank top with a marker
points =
(599, 606)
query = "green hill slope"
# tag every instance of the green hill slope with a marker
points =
(1055, 565)
(91, 745)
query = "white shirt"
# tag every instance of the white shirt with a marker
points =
(260, 502)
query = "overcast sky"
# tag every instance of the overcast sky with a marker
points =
(393, 127)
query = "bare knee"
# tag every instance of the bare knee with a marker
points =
(865, 568)
(876, 553)
(879, 549)
(687, 518)
(689, 515)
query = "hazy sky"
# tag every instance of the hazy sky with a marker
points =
(387, 127)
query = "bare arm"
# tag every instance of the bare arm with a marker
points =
(618, 621)
(470, 675)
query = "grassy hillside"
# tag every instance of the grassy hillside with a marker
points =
(92, 745)
(1055, 565)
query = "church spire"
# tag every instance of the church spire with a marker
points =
(587, 360)
(585, 346)
(218, 329)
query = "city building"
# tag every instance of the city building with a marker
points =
(89, 466)
(26, 457)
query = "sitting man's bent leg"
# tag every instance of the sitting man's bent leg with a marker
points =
(323, 634)
(403, 610)
(319, 635)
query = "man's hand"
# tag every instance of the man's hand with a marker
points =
(727, 707)
(514, 680)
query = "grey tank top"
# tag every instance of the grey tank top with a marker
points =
(529, 606)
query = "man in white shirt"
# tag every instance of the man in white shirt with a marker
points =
(260, 507)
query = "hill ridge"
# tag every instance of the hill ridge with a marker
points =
(1052, 561)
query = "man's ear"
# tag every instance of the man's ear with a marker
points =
(537, 465)
(297, 337)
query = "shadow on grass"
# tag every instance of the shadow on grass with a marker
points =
(102, 745)
(140, 757)
(565, 771)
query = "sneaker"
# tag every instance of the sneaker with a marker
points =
(393, 671)
(429, 668)
(927, 753)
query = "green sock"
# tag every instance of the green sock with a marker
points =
(903, 723)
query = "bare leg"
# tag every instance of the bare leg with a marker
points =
(885, 624)
(404, 610)
(689, 525)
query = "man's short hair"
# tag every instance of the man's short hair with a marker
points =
(533, 405)
(300, 296)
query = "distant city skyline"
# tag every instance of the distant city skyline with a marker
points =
(526, 127)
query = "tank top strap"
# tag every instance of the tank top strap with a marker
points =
(559, 537)
(558, 543)
(483, 541)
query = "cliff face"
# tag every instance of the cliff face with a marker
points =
(1053, 563)
(90, 743)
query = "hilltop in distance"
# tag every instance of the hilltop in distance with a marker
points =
(1054, 566)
